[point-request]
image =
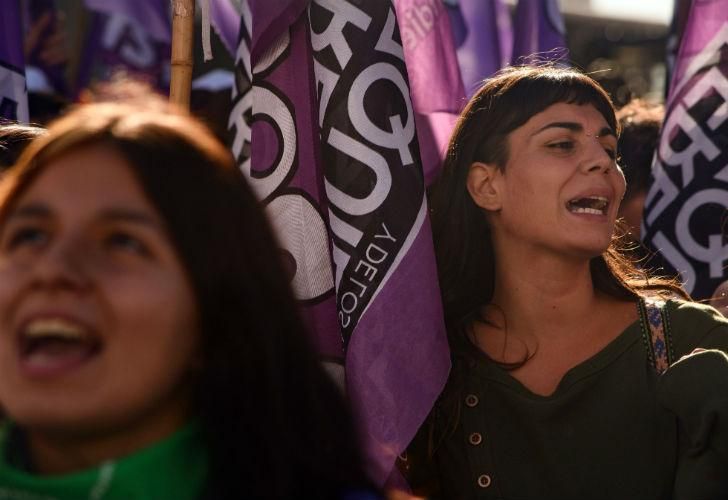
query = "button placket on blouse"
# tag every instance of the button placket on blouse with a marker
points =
(475, 439)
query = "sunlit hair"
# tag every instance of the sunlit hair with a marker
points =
(276, 425)
(14, 138)
(463, 244)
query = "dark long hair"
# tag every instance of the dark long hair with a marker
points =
(276, 425)
(463, 244)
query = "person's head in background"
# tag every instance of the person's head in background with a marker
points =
(140, 290)
(641, 122)
(14, 138)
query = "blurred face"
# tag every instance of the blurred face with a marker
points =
(98, 322)
(561, 188)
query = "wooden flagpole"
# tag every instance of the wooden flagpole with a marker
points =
(183, 25)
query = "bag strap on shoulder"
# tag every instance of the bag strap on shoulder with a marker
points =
(656, 332)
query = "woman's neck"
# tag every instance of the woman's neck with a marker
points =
(543, 295)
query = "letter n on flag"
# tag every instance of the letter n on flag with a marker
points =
(686, 209)
(325, 131)
(13, 91)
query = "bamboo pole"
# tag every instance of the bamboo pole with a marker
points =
(183, 25)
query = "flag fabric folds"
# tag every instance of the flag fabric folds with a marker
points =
(133, 35)
(434, 77)
(13, 93)
(325, 131)
(686, 209)
(483, 35)
(538, 30)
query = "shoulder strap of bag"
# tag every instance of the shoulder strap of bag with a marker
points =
(656, 333)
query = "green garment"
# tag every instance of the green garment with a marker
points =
(175, 468)
(602, 434)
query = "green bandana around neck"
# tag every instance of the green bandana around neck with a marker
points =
(175, 467)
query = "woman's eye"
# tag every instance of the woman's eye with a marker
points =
(611, 153)
(23, 236)
(126, 242)
(562, 145)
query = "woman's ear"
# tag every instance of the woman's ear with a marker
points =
(484, 185)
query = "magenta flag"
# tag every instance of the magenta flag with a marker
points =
(325, 131)
(274, 121)
(132, 35)
(687, 204)
(434, 77)
(483, 34)
(539, 31)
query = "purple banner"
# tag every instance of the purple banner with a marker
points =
(13, 93)
(483, 32)
(133, 35)
(434, 77)
(386, 283)
(539, 32)
(276, 145)
(686, 208)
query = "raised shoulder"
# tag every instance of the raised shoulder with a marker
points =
(696, 325)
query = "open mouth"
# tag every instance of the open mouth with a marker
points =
(594, 205)
(52, 345)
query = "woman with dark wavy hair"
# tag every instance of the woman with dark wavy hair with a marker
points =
(555, 389)
(150, 346)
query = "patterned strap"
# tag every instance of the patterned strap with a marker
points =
(656, 332)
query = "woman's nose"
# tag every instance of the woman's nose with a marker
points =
(62, 264)
(597, 159)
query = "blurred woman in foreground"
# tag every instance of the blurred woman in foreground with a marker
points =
(149, 344)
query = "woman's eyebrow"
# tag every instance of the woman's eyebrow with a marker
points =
(574, 127)
(31, 210)
(129, 215)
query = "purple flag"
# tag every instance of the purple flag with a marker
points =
(226, 21)
(133, 35)
(325, 131)
(434, 77)
(387, 295)
(485, 35)
(275, 128)
(539, 29)
(13, 94)
(687, 204)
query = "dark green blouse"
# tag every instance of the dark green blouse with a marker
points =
(602, 434)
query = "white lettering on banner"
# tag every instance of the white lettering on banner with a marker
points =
(302, 231)
(662, 185)
(715, 254)
(132, 42)
(326, 81)
(365, 270)
(370, 158)
(367, 142)
(267, 103)
(401, 135)
(679, 118)
(344, 13)
(243, 132)
(386, 41)
(706, 57)
(344, 230)
(712, 81)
